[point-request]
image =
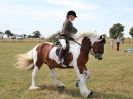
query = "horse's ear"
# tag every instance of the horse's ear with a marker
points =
(102, 37)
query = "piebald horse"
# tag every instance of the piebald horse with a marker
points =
(77, 58)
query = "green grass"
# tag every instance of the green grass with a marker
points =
(111, 78)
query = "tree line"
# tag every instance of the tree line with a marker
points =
(35, 34)
(117, 30)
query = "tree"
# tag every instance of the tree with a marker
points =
(29, 36)
(24, 35)
(116, 30)
(1, 32)
(131, 32)
(36, 34)
(8, 33)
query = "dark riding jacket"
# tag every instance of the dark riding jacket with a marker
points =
(68, 30)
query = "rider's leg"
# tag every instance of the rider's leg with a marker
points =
(63, 44)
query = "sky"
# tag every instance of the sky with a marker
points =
(47, 16)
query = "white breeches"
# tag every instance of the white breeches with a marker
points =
(63, 43)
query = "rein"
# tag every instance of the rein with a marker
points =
(90, 51)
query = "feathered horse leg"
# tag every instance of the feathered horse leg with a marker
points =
(57, 82)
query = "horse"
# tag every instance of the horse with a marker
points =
(76, 58)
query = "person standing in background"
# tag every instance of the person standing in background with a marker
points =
(118, 43)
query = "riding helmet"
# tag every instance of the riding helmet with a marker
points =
(71, 12)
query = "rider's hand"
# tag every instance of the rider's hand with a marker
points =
(71, 38)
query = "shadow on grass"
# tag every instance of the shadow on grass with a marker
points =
(101, 95)
(76, 93)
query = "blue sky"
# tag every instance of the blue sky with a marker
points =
(47, 16)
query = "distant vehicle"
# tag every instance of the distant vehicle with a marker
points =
(1, 35)
(13, 37)
(5, 36)
(20, 37)
(42, 37)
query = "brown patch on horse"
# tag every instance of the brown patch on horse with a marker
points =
(98, 47)
(69, 58)
(43, 51)
(54, 64)
(84, 51)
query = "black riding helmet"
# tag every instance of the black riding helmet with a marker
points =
(71, 13)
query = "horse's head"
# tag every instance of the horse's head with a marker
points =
(92, 43)
(98, 47)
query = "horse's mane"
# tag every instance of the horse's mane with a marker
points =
(84, 34)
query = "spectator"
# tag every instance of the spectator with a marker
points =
(118, 42)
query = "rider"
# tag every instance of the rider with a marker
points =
(67, 31)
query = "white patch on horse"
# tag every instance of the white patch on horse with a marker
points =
(53, 75)
(53, 55)
(82, 85)
(75, 50)
(33, 85)
(35, 70)
(35, 55)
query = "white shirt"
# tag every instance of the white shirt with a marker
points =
(118, 39)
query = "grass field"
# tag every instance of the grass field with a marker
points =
(111, 78)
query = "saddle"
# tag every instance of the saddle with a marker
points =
(61, 53)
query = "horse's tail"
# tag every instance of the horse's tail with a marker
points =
(25, 61)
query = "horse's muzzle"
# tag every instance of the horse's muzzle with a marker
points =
(99, 56)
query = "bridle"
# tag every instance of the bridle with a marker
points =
(92, 53)
(90, 50)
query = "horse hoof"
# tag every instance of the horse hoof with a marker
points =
(90, 94)
(61, 87)
(77, 85)
(34, 88)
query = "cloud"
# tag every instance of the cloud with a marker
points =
(91, 16)
(19, 11)
(128, 9)
(80, 4)
(43, 13)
